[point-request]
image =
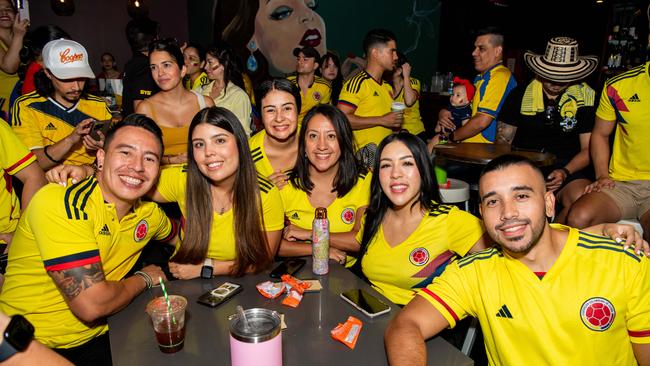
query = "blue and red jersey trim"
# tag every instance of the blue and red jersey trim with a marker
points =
(72, 261)
(438, 299)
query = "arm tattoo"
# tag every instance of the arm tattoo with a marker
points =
(72, 281)
(505, 133)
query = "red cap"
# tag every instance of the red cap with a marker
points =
(469, 87)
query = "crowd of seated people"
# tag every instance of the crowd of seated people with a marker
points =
(247, 194)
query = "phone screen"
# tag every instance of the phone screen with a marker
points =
(289, 266)
(102, 126)
(365, 301)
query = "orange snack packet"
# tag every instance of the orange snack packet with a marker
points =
(348, 333)
(271, 290)
(292, 299)
(295, 284)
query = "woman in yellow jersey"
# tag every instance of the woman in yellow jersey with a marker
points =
(220, 190)
(173, 107)
(326, 175)
(275, 148)
(408, 237)
(12, 32)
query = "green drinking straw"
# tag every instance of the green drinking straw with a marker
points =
(169, 304)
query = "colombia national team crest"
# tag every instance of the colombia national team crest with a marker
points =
(347, 215)
(419, 256)
(597, 314)
(317, 96)
(141, 230)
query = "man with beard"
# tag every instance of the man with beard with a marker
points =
(55, 121)
(75, 244)
(550, 294)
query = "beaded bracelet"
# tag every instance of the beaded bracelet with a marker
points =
(147, 279)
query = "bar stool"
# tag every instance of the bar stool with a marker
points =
(456, 191)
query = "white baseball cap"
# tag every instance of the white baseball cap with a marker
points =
(66, 59)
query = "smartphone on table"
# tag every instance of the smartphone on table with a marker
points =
(219, 295)
(288, 266)
(365, 302)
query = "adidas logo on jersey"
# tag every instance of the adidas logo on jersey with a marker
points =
(104, 230)
(50, 127)
(504, 312)
(634, 98)
(375, 94)
(295, 216)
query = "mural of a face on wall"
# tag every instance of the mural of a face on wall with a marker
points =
(269, 30)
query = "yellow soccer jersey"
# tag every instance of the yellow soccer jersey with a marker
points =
(625, 100)
(65, 228)
(262, 163)
(369, 98)
(198, 83)
(398, 272)
(585, 310)
(14, 156)
(319, 92)
(492, 88)
(412, 120)
(341, 212)
(40, 122)
(222, 237)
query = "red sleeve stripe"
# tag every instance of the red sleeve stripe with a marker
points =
(74, 264)
(172, 231)
(72, 260)
(351, 105)
(438, 299)
(639, 333)
(19, 163)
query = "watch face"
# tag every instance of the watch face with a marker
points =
(19, 332)
(206, 272)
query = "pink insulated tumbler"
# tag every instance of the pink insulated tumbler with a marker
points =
(257, 340)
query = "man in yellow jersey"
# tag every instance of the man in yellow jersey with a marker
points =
(75, 244)
(622, 186)
(550, 295)
(493, 84)
(56, 120)
(314, 90)
(366, 98)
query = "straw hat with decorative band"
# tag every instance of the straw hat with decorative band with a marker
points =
(561, 62)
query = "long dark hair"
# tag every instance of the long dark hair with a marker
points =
(349, 167)
(251, 244)
(228, 59)
(169, 46)
(379, 202)
(337, 83)
(234, 23)
(281, 85)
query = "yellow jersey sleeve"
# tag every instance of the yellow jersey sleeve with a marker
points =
(273, 210)
(463, 230)
(171, 184)
(14, 156)
(24, 121)
(638, 311)
(64, 234)
(166, 229)
(605, 109)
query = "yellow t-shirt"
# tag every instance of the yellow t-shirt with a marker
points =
(319, 92)
(398, 272)
(234, 99)
(65, 228)
(341, 212)
(492, 88)
(412, 120)
(625, 100)
(586, 310)
(262, 163)
(198, 83)
(222, 247)
(368, 98)
(40, 122)
(14, 157)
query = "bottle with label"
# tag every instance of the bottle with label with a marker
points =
(450, 85)
(320, 238)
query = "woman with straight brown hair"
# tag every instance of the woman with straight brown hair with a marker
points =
(220, 189)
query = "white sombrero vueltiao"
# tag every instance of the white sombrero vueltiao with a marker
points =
(561, 63)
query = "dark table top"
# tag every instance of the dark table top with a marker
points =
(306, 341)
(478, 153)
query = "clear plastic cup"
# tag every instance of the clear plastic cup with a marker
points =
(168, 324)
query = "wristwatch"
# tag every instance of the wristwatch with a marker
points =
(16, 337)
(206, 270)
